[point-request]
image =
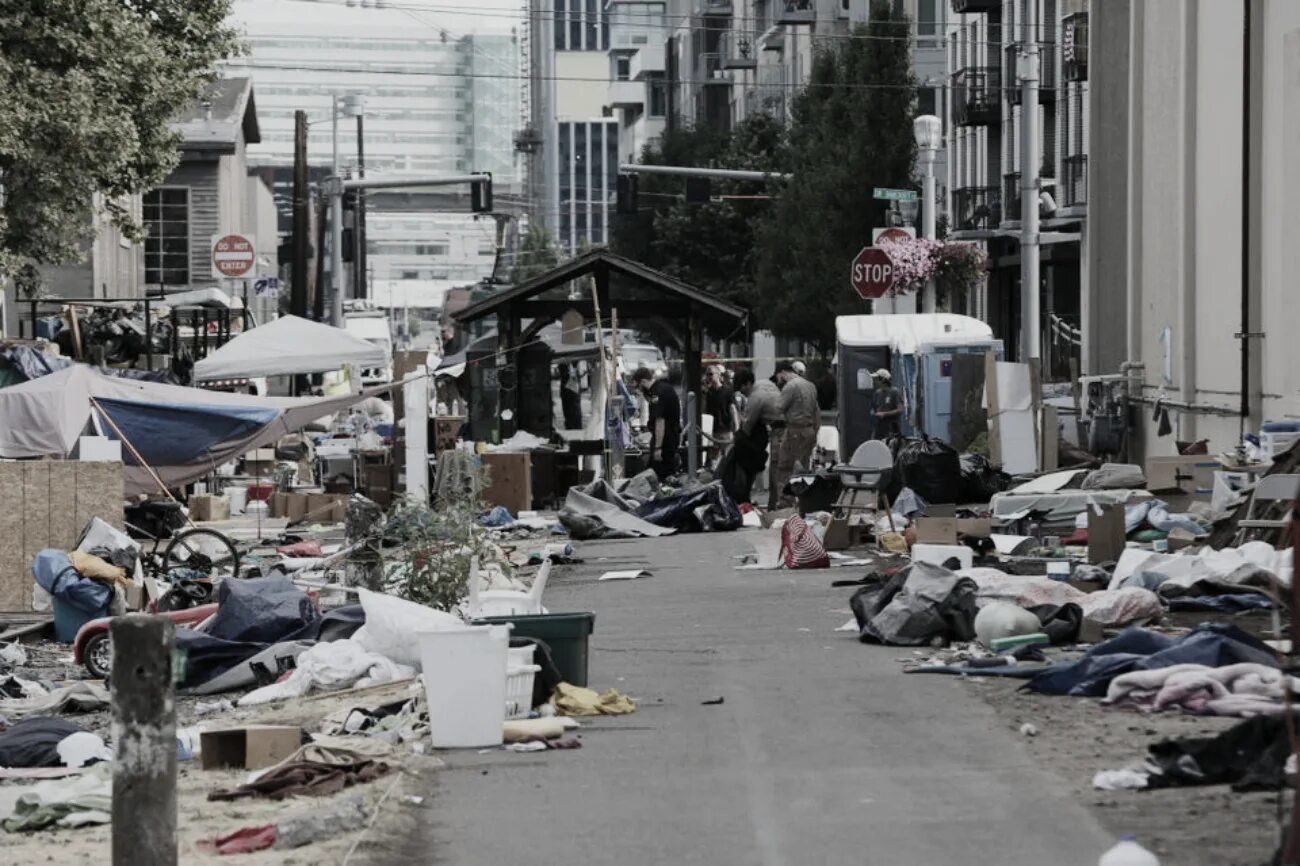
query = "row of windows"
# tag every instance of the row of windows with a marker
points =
(588, 156)
(399, 249)
(581, 25)
(167, 245)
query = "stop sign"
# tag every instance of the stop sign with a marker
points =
(872, 274)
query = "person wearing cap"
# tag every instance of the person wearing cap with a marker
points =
(801, 368)
(665, 421)
(886, 406)
(800, 412)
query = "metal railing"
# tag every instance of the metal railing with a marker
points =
(1074, 180)
(796, 12)
(1011, 197)
(977, 95)
(739, 49)
(713, 71)
(976, 208)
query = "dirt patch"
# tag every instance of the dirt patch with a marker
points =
(1207, 826)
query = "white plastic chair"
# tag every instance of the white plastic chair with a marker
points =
(507, 602)
(1268, 492)
(868, 471)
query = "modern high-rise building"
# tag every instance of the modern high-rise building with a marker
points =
(436, 103)
(573, 141)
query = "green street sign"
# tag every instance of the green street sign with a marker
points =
(885, 194)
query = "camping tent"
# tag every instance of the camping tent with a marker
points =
(288, 346)
(182, 433)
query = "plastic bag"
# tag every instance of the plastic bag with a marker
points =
(931, 468)
(700, 509)
(392, 626)
(979, 479)
(800, 547)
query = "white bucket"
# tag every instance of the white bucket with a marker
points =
(465, 683)
(238, 499)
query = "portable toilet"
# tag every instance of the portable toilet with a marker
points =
(917, 349)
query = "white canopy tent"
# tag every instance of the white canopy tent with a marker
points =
(285, 347)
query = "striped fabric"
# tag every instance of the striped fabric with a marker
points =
(800, 548)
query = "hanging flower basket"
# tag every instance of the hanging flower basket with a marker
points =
(956, 267)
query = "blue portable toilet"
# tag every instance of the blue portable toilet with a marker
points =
(917, 349)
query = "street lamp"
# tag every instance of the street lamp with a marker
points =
(352, 105)
(928, 130)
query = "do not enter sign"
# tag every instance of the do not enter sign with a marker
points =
(872, 274)
(232, 256)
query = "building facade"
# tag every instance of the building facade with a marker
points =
(573, 139)
(985, 168)
(436, 104)
(1195, 175)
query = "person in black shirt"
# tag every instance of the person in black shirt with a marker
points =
(665, 421)
(720, 403)
(886, 406)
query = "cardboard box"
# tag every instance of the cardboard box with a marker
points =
(838, 534)
(1193, 474)
(289, 505)
(207, 507)
(136, 598)
(511, 483)
(260, 462)
(936, 530)
(444, 432)
(326, 507)
(974, 527)
(248, 748)
(1106, 533)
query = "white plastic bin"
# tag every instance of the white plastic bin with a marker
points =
(238, 498)
(519, 691)
(465, 682)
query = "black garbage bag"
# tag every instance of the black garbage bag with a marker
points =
(261, 610)
(917, 605)
(980, 479)
(931, 468)
(1250, 756)
(699, 509)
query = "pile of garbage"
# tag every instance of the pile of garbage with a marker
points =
(639, 507)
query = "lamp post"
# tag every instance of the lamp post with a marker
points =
(928, 130)
(352, 105)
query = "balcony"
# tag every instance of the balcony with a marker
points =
(649, 61)
(713, 8)
(625, 94)
(977, 96)
(976, 208)
(976, 7)
(738, 49)
(1046, 74)
(710, 64)
(773, 38)
(795, 12)
(1074, 47)
(1074, 181)
(1011, 197)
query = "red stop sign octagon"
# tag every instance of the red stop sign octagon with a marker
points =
(872, 274)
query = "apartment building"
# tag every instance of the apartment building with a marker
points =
(985, 168)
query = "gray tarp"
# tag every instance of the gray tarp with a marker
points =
(588, 517)
(919, 604)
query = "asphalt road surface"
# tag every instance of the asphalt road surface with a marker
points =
(822, 752)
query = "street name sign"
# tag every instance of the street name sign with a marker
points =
(884, 193)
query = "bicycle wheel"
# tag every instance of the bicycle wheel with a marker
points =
(203, 550)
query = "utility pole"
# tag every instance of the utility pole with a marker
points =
(336, 225)
(1029, 247)
(359, 220)
(301, 217)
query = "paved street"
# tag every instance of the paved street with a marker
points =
(823, 752)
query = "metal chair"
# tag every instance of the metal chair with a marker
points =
(869, 470)
(1273, 494)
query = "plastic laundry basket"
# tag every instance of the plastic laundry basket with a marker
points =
(519, 691)
(465, 681)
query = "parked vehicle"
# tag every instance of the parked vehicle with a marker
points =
(373, 328)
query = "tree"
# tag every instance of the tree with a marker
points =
(88, 90)
(711, 246)
(537, 255)
(851, 131)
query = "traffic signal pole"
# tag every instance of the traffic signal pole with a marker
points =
(480, 183)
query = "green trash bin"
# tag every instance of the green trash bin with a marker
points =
(565, 633)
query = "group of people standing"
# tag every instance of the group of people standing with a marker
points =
(753, 418)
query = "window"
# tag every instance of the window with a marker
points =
(410, 275)
(926, 103)
(927, 13)
(622, 68)
(592, 29)
(575, 25)
(487, 248)
(167, 246)
(658, 98)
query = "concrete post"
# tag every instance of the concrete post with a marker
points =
(144, 736)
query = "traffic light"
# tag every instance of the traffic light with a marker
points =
(480, 195)
(699, 190)
(627, 194)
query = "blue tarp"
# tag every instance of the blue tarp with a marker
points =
(1138, 649)
(175, 434)
(54, 572)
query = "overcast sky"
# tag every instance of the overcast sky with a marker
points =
(305, 17)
